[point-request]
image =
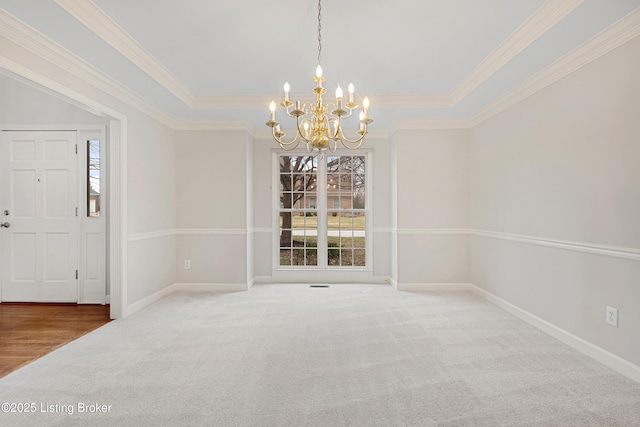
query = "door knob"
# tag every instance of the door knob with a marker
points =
(5, 224)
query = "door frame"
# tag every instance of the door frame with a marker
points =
(110, 135)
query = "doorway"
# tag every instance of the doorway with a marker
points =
(53, 234)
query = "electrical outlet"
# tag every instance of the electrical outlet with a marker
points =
(612, 316)
(187, 264)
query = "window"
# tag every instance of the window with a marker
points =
(298, 229)
(322, 212)
(346, 232)
(93, 178)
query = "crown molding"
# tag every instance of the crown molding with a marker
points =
(430, 124)
(265, 133)
(213, 124)
(547, 16)
(28, 38)
(412, 101)
(612, 37)
(95, 19)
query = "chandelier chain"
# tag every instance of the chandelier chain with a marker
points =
(319, 32)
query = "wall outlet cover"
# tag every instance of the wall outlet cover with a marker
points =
(612, 316)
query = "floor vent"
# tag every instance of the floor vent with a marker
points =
(318, 286)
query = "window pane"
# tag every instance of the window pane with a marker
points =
(93, 178)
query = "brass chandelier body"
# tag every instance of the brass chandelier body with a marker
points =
(320, 125)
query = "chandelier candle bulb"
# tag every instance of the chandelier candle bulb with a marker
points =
(272, 108)
(351, 91)
(286, 91)
(365, 107)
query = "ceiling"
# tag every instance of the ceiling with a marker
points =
(415, 59)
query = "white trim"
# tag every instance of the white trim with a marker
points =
(592, 248)
(189, 231)
(212, 231)
(608, 359)
(43, 47)
(616, 35)
(543, 19)
(264, 133)
(147, 301)
(602, 43)
(54, 128)
(428, 287)
(183, 287)
(209, 287)
(413, 100)
(149, 235)
(548, 15)
(117, 227)
(431, 124)
(95, 19)
(419, 231)
(213, 124)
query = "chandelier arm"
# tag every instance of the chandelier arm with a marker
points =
(358, 141)
(296, 140)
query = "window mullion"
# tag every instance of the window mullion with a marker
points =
(322, 213)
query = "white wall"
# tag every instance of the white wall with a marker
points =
(432, 198)
(212, 191)
(562, 165)
(151, 201)
(26, 104)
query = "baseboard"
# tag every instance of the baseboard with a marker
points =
(189, 287)
(257, 280)
(426, 287)
(608, 359)
(393, 283)
(147, 301)
(209, 287)
(107, 299)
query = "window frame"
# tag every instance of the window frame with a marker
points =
(322, 208)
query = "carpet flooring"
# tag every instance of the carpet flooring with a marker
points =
(291, 355)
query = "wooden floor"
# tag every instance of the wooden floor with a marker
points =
(29, 331)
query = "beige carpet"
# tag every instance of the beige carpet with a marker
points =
(290, 355)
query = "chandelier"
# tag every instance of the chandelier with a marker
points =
(318, 125)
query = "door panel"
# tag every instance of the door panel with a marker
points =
(39, 188)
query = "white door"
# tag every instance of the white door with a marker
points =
(39, 199)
